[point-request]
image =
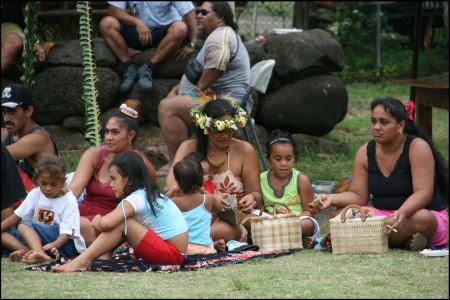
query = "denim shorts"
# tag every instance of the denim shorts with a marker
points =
(131, 36)
(48, 234)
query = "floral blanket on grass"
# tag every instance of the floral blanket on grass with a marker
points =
(125, 261)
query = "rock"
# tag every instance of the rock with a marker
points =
(311, 106)
(68, 53)
(58, 92)
(304, 54)
(66, 138)
(324, 145)
(75, 122)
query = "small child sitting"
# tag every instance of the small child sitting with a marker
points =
(49, 216)
(284, 184)
(196, 206)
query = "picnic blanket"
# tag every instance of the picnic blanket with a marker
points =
(124, 261)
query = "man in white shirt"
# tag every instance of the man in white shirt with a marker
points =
(146, 24)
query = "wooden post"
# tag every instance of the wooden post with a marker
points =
(301, 15)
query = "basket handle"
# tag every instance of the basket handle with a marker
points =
(344, 212)
(274, 213)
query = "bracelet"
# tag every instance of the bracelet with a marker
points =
(254, 200)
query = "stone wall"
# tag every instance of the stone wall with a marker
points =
(303, 96)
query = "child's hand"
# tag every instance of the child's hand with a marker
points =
(49, 247)
(282, 210)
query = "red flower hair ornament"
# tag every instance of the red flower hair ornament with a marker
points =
(410, 110)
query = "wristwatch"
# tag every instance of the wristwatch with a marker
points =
(191, 45)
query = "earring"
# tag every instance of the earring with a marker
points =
(129, 142)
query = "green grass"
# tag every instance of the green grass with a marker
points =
(307, 274)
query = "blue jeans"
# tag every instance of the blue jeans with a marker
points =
(47, 234)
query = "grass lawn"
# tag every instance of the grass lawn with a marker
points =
(306, 274)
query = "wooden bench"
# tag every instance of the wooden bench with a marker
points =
(429, 93)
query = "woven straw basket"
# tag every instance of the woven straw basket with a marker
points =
(277, 231)
(360, 235)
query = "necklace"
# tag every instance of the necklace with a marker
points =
(216, 163)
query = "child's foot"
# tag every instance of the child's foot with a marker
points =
(72, 266)
(308, 242)
(32, 257)
(220, 245)
(18, 254)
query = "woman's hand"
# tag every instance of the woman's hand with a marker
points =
(247, 203)
(399, 217)
(174, 190)
(49, 247)
(96, 222)
(321, 202)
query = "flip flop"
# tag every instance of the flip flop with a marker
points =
(417, 242)
(159, 152)
(326, 240)
(163, 171)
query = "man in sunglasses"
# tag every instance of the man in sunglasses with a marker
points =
(222, 66)
(143, 25)
(26, 141)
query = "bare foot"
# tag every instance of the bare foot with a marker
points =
(308, 242)
(18, 254)
(160, 151)
(72, 266)
(32, 257)
(220, 245)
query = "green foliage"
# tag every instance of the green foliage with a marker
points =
(28, 53)
(90, 93)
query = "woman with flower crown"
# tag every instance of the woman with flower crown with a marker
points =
(234, 166)
(403, 175)
(92, 172)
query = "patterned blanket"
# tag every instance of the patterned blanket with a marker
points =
(124, 261)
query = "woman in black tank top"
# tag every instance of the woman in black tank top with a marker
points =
(403, 176)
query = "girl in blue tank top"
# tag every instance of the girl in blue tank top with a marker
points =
(196, 206)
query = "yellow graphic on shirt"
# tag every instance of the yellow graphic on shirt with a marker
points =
(45, 216)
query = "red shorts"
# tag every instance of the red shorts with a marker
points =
(154, 250)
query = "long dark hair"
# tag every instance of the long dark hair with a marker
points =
(130, 164)
(223, 9)
(278, 136)
(188, 173)
(397, 110)
(214, 109)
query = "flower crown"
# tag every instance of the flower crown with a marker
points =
(207, 124)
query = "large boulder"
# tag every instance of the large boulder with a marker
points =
(304, 54)
(58, 92)
(311, 106)
(66, 138)
(69, 53)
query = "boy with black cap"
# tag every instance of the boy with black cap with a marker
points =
(25, 140)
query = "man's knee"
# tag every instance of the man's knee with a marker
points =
(178, 30)
(108, 23)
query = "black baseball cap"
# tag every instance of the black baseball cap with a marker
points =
(15, 95)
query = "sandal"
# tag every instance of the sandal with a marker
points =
(163, 171)
(417, 242)
(159, 152)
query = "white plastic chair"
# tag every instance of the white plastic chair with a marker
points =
(260, 75)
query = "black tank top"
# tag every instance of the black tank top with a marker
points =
(390, 192)
(23, 163)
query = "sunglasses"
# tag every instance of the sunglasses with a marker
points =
(202, 11)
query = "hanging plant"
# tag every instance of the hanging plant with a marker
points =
(90, 93)
(28, 53)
